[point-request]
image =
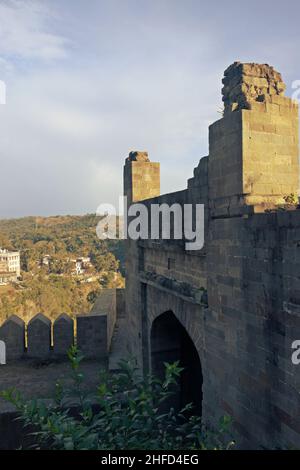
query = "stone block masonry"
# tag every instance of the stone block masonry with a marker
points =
(249, 268)
(107, 304)
(139, 169)
(246, 83)
(12, 332)
(92, 335)
(253, 158)
(63, 334)
(39, 337)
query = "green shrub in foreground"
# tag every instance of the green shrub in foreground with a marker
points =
(129, 416)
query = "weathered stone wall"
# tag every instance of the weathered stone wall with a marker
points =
(253, 150)
(63, 334)
(39, 337)
(244, 324)
(12, 332)
(106, 304)
(92, 335)
(143, 174)
(253, 293)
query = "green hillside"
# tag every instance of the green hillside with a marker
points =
(54, 288)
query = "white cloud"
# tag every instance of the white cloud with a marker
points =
(135, 75)
(24, 32)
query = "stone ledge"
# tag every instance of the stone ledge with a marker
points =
(174, 246)
(180, 289)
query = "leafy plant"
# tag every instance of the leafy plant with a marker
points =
(129, 414)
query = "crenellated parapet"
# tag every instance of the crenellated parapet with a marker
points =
(45, 339)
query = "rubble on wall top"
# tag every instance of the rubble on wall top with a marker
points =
(253, 70)
(248, 82)
(136, 156)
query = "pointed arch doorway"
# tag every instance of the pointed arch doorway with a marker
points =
(171, 342)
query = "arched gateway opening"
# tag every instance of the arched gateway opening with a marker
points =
(170, 342)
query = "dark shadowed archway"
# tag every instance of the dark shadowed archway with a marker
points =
(170, 342)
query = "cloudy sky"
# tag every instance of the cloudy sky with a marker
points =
(88, 81)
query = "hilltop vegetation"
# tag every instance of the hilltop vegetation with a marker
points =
(54, 287)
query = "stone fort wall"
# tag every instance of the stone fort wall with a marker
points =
(239, 297)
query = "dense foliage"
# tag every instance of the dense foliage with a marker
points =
(53, 288)
(130, 415)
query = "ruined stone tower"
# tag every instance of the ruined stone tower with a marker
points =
(230, 311)
(253, 150)
(141, 177)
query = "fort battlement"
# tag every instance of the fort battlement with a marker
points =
(43, 339)
(230, 311)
